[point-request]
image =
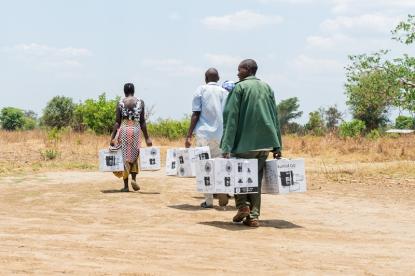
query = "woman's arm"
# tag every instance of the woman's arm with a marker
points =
(116, 125)
(143, 125)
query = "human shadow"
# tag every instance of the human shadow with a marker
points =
(114, 191)
(232, 226)
(188, 207)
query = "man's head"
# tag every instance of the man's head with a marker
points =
(246, 68)
(211, 75)
(129, 89)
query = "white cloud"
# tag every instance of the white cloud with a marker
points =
(223, 60)
(366, 22)
(241, 20)
(363, 6)
(329, 42)
(172, 66)
(309, 65)
(46, 57)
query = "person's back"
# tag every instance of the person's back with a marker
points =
(207, 122)
(209, 100)
(255, 126)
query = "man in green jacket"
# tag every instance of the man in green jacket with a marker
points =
(250, 130)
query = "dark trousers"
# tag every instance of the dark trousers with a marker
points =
(252, 200)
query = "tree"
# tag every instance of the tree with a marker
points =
(12, 118)
(404, 122)
(332, 116)
(371, 89)
(58, 112)
(98, 115)
(315, 123)
(405, 31)
(287, 111)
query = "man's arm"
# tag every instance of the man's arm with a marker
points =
(230, 121)
(143, 125)
(193, 122)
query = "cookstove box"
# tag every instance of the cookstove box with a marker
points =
(215, 176)
(283, 176)
(171, 162)
(187, 158)
(246, 176)
(111, 161)
(150, 159)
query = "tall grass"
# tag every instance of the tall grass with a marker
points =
(21, 151)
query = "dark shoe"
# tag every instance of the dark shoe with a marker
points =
(135, 185)
(124, 190)
(242, 213)
(223, 199)
(251, 222)
(204, 205)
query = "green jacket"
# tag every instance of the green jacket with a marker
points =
(250, 119)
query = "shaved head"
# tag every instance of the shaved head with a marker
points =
(211, 75)
(250, 65)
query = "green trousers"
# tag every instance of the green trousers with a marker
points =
(252, 200)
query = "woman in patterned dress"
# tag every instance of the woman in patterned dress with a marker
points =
(129, 122)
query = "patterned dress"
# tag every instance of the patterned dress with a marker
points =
(130, 133)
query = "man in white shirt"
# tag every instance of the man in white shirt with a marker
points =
(207, 122)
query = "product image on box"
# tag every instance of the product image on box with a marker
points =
(150, 159)
(205, 177)
(284, 176)
(246, 176)
(111, 161)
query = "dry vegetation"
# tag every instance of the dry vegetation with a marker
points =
(329, 158)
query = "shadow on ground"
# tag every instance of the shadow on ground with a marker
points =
(188, 207)
(231, 226)
(114, 191)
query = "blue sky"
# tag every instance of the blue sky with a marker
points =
(81, 49)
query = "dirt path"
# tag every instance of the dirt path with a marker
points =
(74, 222)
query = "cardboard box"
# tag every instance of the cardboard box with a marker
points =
(283, 176)
(246, 176)
(220, 176)
(171, 162)
(205, 176)
(110, 161)
(187, 158)
(150, 159)
(215, 176)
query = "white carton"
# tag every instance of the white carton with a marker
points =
(205, 176)
(110, 161)
(171, 162)
(150, 159)
(283, 176)
(224, 176)
(246, 176)
(187, 158)
(215, 176)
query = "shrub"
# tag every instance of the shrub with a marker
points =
(315, 125)
(99, 115)
(404, 122)
(373, 134)
(58, 112)
(171, 129)
(12, 118)
(353, 128)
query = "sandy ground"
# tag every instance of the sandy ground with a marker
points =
(77, 223)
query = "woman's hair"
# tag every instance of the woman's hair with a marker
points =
(129, 89)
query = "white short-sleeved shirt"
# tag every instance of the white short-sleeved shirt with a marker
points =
(210, 100)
